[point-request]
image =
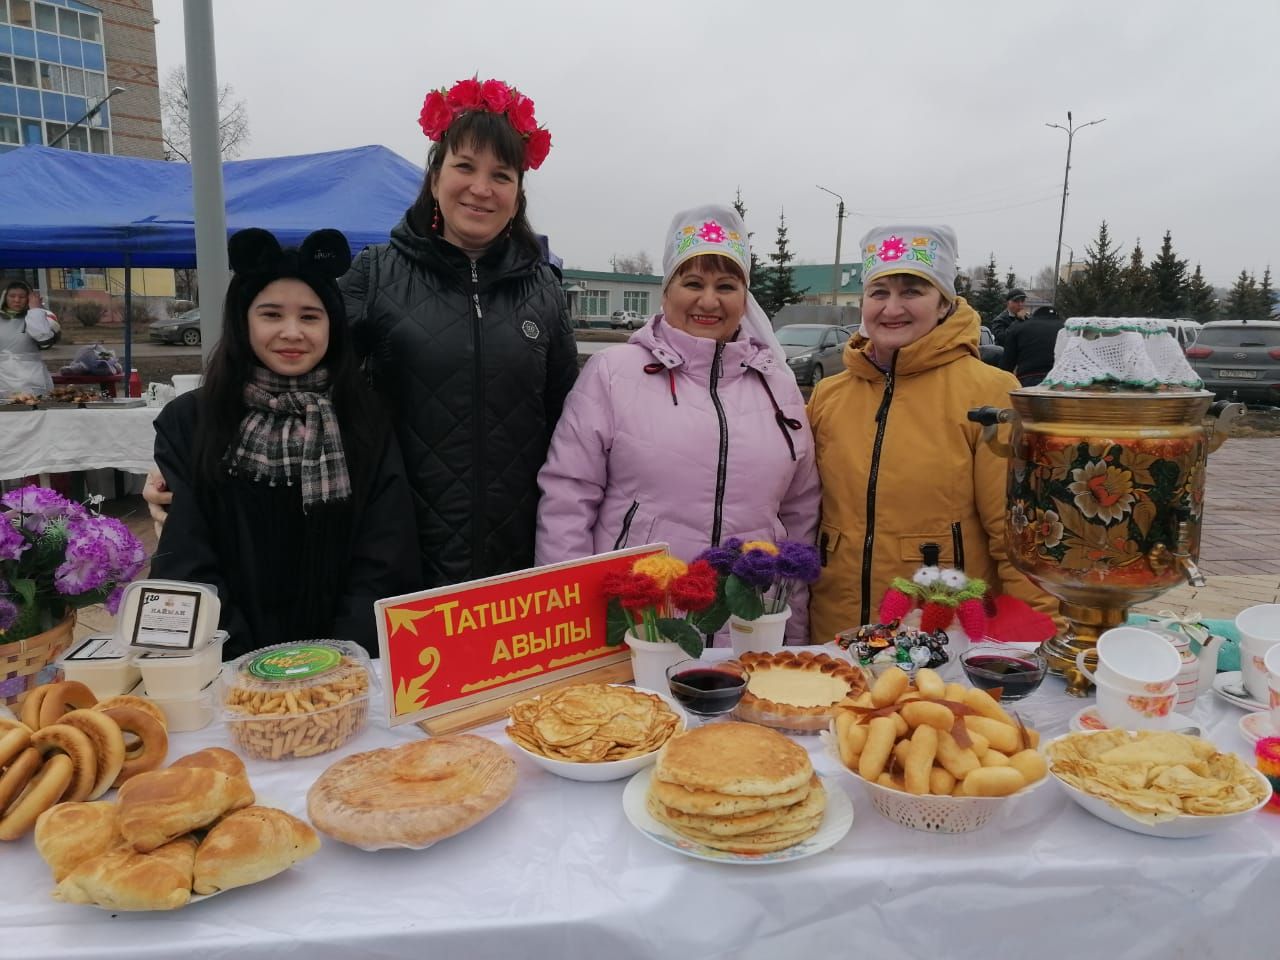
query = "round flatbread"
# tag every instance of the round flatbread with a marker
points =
(411, 795)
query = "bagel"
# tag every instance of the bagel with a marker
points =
(108, 745)
(6, 725)
(154, 741)
(64, 697)
(129, 700)
(30, 714)
(45, 789)
(17, 775)
(13, 743)
(79, 748)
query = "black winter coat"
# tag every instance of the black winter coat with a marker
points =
(283, 575)
(475, 360)
(1028, 348)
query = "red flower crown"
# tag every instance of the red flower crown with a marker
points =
(441, 107)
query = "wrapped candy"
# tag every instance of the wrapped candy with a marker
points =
(1267, 753)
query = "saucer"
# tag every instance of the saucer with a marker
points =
(1230, 687)
(1255, 726)
(1088, 719)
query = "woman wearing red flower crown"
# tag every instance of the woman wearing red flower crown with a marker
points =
(465, 328)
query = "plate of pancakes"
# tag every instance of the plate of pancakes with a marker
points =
(737, 793)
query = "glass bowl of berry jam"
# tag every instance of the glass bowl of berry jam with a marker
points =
(1015, 671)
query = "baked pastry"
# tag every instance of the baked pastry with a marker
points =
(70, 833)
(59, 738)
(213, 758)
(737, 787)
(796, 690)
(108, 745)
(411, 795)
(45, 789)
(158, 806)
(150, 739)
(123, 879)
(251, 845)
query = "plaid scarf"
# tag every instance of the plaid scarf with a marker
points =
(291, 431)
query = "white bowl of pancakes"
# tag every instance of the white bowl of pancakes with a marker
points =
(595, 732)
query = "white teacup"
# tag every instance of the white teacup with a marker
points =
(1259, 631)
(1123, 709)
(1135, 660)
(1272, 663)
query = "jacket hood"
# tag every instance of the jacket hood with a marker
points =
(675, 348)
(953, 338)
(437, 254)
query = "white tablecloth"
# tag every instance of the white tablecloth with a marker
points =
(559, 872)
(63, 441)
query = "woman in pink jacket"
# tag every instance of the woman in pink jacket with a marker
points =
(692, 432)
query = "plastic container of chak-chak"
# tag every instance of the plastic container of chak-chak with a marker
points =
(296, 699)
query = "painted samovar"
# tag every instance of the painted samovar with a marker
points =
(1105, 496)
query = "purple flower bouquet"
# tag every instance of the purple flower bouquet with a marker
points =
(758, 577)
(56, 555)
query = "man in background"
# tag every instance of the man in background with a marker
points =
(1028, 346)
(1015, 308)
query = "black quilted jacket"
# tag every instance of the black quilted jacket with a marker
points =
(476, 360)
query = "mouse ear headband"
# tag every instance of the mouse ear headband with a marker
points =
(324, 253)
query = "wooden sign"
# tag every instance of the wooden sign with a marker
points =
(453, 648)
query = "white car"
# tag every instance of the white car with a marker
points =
(626, 320)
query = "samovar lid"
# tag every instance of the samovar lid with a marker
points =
(1119, 354)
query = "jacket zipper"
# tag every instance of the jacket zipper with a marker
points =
(722, 466)
(626, 525)
(868, 544)
(479, 529)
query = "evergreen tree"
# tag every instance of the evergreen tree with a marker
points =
(1266, 302)
(780, 287)
(1139, 292)
(758, 275)
(1242, 301)
(1168, 281)
(1199, 297)
(1097, 290)
(964, 286)
(989, 299)
(1010, 281)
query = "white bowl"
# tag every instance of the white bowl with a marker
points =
(607, 769)
(1181, 826)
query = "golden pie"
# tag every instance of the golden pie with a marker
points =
(796, 690)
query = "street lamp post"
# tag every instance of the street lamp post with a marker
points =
(835, 280)
(93, 112)
(1070, 129)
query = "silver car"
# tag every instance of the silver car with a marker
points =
(1239, 359)
(813, 349)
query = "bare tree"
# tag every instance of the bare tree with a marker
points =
(233, 119)
(1042, 282)
(638, 263)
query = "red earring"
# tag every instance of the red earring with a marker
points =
(435, 221)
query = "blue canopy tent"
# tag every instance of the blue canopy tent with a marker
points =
(60, 208)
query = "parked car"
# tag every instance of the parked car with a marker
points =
(1239, 359)
(990, 351)
(1184, 330)
(626, 320)
(813, 349)
(184, 329)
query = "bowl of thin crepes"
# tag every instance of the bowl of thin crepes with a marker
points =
(1156, 783)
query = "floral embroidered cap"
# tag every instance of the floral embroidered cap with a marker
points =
(928, 252)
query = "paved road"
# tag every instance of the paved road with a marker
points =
(66, 352)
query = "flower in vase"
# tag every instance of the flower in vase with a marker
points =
(663, 599)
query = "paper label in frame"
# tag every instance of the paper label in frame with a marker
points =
(166, 619)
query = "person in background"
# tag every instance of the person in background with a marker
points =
(1015, 309)
(1029, 346)
(463, 326)
(900, 463)
(289, 494)
(23, 328)
(694, 430)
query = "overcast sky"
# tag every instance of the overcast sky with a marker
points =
(929, 110)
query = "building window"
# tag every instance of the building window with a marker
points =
(6, 67)
(89, 28)
(95, 85)
(99, 141)
(637, 300)
(51, 77)
(24, 72)
(68, 23)
(9, 130)
(75, 81)
(594, 303)
(46, 17)
(4, 12)
(77, 139)
(20, 13)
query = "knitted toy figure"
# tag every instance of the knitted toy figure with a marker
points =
(942, 595)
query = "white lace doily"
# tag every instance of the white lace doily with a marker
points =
(1119, 351)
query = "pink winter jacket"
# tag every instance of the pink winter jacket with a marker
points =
(675, 439)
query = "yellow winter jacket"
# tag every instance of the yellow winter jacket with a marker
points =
(901, 463)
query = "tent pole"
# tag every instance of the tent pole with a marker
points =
(128, 323)
(206, 170)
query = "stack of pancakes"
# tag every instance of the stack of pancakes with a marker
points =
(737, 787)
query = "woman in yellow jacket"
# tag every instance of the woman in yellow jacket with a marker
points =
(900, 463)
